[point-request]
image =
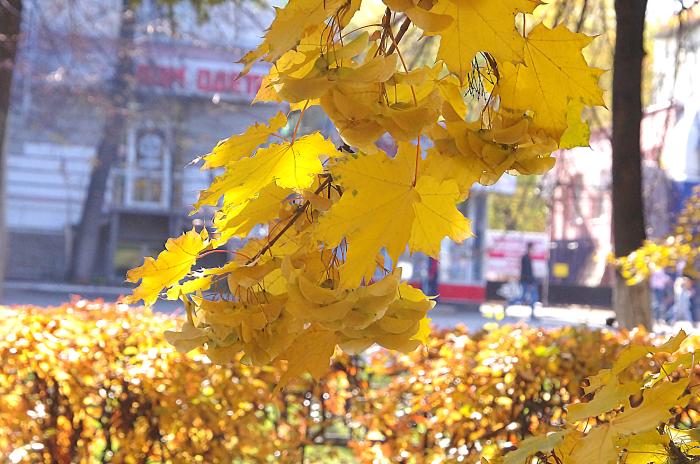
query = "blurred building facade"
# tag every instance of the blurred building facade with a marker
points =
(579, 186)
(186, 97)
(677, 69)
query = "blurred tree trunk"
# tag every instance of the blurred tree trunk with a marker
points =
(10, 21)
(87, 237)
(631, 303)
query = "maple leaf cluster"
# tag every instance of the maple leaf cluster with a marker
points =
(499, 96)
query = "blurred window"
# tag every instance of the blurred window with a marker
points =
(147, 174)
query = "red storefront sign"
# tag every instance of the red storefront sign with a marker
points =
(197, 79)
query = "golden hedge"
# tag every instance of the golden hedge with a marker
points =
(95, 382)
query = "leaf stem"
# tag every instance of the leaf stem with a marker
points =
(301, 116)
(207, 253)
(359, 28)
(394, 46)
(299, 212)
(415, 174)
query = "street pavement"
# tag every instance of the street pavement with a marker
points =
(444, 315)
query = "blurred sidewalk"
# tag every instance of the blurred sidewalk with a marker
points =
(54, 294)
(445, 315)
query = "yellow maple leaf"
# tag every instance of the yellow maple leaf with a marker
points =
(237, 220)
(310, 352)
(654, 409)
(532, 445)
(354, 114)
(290, 165)
(424, 331)
(242, 145)
(187, 338)
(404, 326)
(578, 132)
(386, 206)
(649, 447)
(612, 395)
(197, 284)
(554, 76)
(480, 26)
(566, 447)
(597, 447)
(632, 354)
(361, 114)
(251, 274)
(420, 16)
(291, 23)
(171, 266)
(325, 75)
(460, 168)
(453, 94)
(293, 63)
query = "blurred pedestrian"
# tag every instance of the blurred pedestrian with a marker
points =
(661, 284)
(683, 294)
(695, 303)
(432, 280)
(530, 294)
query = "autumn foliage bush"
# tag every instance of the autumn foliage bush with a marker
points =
(93, 382)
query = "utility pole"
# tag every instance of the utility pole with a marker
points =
(10, 24)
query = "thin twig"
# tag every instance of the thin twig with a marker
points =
(289, 224)
(399, 35)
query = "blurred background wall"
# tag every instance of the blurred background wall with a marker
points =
(158, 82)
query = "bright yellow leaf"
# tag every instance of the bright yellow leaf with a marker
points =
(646, 448)
(171, 266)
(480, 26)
(237, 220)
(632, 354)
(653, 410)
(310, 352)
(578, 132)
(196, 284)
(420, 16)
(533, 445)
(386, 206)
(240, 146)
(597, 447)
(554, 76)
(290, 25)
(186, 339)
(612, 395)
(289, 165)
